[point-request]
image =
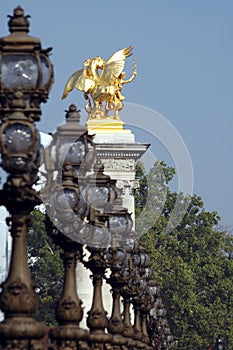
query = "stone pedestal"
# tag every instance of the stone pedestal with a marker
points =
(118, 152)
(109, 126)
(119, 160)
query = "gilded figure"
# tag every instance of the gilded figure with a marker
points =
(102, 82)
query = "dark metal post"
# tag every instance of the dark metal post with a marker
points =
(26, 76)
(97, 317)
(69, 312)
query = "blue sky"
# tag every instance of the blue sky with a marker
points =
(184, 54)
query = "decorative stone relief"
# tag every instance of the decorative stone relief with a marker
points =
(119, 164)
(127, 187)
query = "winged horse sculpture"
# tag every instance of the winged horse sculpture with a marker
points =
(102, 81)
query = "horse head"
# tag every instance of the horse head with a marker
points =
(99, 62)
(93, 64)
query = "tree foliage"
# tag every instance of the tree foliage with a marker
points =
(192, 263)
(46, 268)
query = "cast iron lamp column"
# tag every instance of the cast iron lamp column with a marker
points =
(116, 258)
(67, 158)
(129, 288)
(122, 280)
(144, 296)
(119, 223)
(69, 311)
(145, 307)
(71, 147)
(136, 299)
(25, 80)
(100, 193)
(160, 334)
(97, 320)
(141, 263)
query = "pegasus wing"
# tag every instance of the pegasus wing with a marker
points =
(115, 65)
(79, 80)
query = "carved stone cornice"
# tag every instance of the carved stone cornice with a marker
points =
(121, 150)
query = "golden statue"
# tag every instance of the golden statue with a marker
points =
(102, 81)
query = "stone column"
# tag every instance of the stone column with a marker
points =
(118, 152)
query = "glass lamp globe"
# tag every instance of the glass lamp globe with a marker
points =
(64, 201)
(120, 222)
(98, 196)
(129, 244)
(136, 259)
(19, 144)
(76, 152)
(66, 196)
(79, 153)
(24, 65)
(19, 71)
(98, 236)
(153, 290)
(71, 144)
(67, 199)
(99, 191)
(23, 72)
(116, 258)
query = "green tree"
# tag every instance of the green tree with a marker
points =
(191, 263)
(46, 268)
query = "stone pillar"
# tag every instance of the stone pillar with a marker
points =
(119, 160)
(118, 152)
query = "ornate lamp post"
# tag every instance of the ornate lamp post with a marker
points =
(69, 311)
(116, 261)
(99, 238)
(120, 223)
(71, 144)
(97, 320)
(67, 158)
(159, 330)
(70, 153)
(25, 80)
(129, 289)
(100, 190)
(72, 149)
(24, 66)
